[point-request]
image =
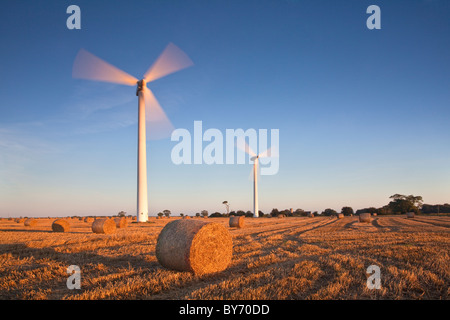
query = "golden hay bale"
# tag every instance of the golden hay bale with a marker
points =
(89, 219)
(280, 215)
(104, 226)
(364, 217)
(237, 222)
(30, 222)
(340, 216)
(310, 215)
(374, 214)
(193, 245)
(410, 215)
(60, 225)
(121, 222)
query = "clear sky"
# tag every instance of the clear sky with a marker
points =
(362, 114)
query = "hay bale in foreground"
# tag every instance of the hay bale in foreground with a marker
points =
(364, 217)
(121, 222)
(340, 216)
(60, 225)
(192, 245)
(410, 215)
(106, 226)
(237, 222)
(30, 222)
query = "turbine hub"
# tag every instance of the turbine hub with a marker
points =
(140, 86)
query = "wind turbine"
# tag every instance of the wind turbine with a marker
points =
(172, 59)
(255, 158)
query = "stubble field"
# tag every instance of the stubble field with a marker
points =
(278, 259)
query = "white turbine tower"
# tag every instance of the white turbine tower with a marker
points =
(172, 59)
(255, 171)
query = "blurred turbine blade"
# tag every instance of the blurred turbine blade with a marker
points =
(241, 144)
(172, 59)
(157, 124)
(89, 66)
(265, 154)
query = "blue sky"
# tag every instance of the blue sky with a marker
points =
(363, 114)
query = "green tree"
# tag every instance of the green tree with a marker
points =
(205, 213)
(402, 204)
(274, 212)
(346, 211)
(329, 212)
(121, 214)
(167, 213)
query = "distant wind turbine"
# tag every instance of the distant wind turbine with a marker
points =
(172, 59)
(255, 158)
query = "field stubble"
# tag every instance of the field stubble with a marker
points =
(290, 258)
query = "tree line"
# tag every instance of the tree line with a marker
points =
(398, 204)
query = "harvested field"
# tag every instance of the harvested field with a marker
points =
(290, 258)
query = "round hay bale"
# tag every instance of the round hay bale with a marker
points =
(106, 226)
(30, 222)
(340, 216)
(88, 219)
(364, 217)
(237, 222)
(60, 225)
(121, 222)
(193, 245)
(374, 214)
(281, 215)
(310, 215)
(410, 215)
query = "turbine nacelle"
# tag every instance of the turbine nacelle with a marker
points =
(254, 158)
(141, 84)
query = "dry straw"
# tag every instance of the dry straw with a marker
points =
(364, 217)
(30, 222)
(340, 216)
(410, 215)
(60, 225)
(193, 245)
(237, 222)
(89, 219)
(104, 226)
(121, 222)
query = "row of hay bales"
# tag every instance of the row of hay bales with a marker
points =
(104, 225)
